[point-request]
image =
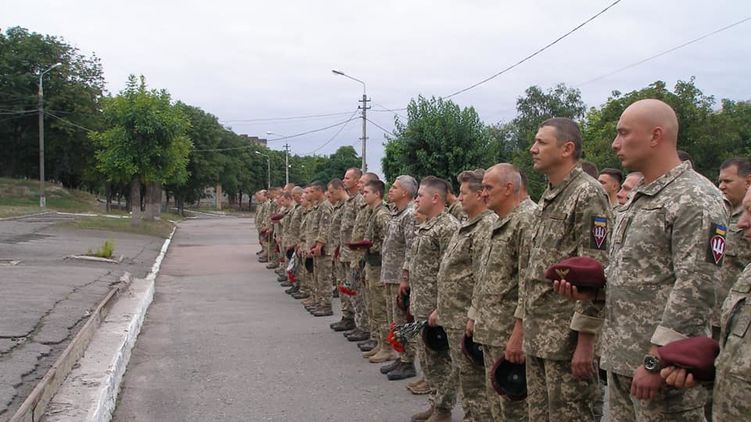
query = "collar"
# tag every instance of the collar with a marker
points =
(553, 191)
(659, 184)
(473, 221)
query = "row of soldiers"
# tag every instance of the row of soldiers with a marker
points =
(673, 246)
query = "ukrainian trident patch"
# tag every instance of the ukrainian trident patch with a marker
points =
(599, 232)
(716, 244)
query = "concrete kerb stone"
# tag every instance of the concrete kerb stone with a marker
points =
(90, 391)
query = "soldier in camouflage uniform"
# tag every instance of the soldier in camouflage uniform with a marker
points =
(285, 204)
(316, 237)
(492, 322)
(271, 253)
(454, 206)
(304, 276)
(667, 249)
(376, 232)
(431, 242)
(261, 211)
(573, 220)
(735, 179)
(338, 197)
(292, 228)
(457, 275)
(732, 390)
(397, 247)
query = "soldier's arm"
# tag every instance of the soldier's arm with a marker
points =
(408, 229)
(696, 271)
(323, 226)
(593, 221)
(380, 222)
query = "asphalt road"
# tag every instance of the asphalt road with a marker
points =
(222, 342)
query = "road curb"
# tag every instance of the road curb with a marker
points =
(90, 390)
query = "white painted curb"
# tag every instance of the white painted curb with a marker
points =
(90, 391)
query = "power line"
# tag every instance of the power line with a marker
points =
(388, 132)
(533, 54)
(335, 135)
(301, 117)
(670, 50)
(11, 112)
(69, 122)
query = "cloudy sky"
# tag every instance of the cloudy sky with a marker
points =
(253, 62)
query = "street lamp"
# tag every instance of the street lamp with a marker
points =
(286, 157)
(364, 107)
(42, 199)
(268, 169)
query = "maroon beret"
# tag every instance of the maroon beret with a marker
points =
(277, 217)
(581, 271)
(695, 354)
(362, 244)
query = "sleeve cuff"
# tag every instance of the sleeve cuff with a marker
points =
(519, 313)
(585, 324)
(664, 335)
(472, 313)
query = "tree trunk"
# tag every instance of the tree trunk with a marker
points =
(135, 203)
(180, 202)
(153, 200)
(108, 193)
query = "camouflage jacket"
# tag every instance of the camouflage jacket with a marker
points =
(334, 233)
(292, 226)
(349, 214)
(397, 245)
(376, 232)
(496, 293)
(737, 256)
(263, 210)
(431, 241)
(460, 267)
(457, 211)
(573, 220)
(665, 261)
(304, 232)
(316, 229)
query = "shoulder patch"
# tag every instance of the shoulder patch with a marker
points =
(599, 233)
(716, 244)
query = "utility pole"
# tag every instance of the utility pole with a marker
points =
(286, 164)
(364, 107)
(42, 198)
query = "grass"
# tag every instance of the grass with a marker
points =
(158, 228)
(19, 197)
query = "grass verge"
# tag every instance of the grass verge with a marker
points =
(159, 228)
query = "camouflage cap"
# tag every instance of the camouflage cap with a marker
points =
(695, 354)
(581, 271)
(435, 338)
(509, 379)
(472, 351)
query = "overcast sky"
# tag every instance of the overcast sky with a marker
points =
(243, 60)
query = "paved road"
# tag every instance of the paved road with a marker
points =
(221, 341)
(45, 299)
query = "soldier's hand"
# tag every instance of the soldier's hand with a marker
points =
(433, 318)
(645, 384)
(583, 361)
(677, 377)
(568, 290)
(470, 330)
(403, 286)
(514, 353)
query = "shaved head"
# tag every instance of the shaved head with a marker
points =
(654, 114)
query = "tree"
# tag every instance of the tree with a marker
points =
(439, 138)
(72, 94)
(145, 142)
(327, 168)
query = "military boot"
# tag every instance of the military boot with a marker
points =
(372, 352)
(263, 258)
(403, 371)
(285, 284)
(440, 415)
(416, 383)
(367, 345)
(385, 354)
(323, 311)
(359, 336)
(343, 325)
(293, 289)
(385, 369)
(422, 416)
(420, 389)
(300, 295)
(272, 265)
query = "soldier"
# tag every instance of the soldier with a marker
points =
(375, 233)
(631, 180)
(396, 258)
(304, 276)
(525, 201)
(573, 220)
(431, 241)
(284, 200)
(732, 388)
(492, 322)
(735, 179)
(271, 251)
(611, 179)
(292, 230)
(454, 206)
(316, 237)
(667, 248)
(338, 197)
(457, 274)
(261, 211)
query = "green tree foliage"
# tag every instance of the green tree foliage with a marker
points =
(72, 94)
(327, 168)
(145, 140)
(439, 138)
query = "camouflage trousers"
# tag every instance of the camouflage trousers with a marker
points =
(396, 315)
(554, 394)
(440, 375)
(731, 396)
(670, 404)
(322, 276)
(502, 408)
(303, 277)
(340, 274)
(355, 279)
(379, 327)
(471, 380)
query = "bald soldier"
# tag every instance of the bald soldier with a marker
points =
(665, 258)
(496, 294)
(573, 220)
(338, 196)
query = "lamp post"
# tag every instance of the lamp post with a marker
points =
(286, 157)
(364, 107)
(268, 169)
(42, 198)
